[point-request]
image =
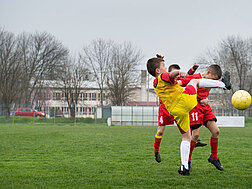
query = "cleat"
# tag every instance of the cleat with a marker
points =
(200, 144)
(216, 163)
(158, 157)
(226, 80)
(189, 166)
(183, 171)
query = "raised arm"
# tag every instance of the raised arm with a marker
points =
(192, 70)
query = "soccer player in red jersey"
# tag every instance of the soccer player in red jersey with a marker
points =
(203, 115)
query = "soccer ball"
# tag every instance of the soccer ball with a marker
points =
(241, 100)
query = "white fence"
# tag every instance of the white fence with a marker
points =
(148, 116)
(134, 115)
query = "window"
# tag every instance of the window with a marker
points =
(218, 112)
(48, 96)
(89, 111)
(83, 96)
(83, 110)
(63, 96)
(92, 96)
(65, 110)
(92, 111)
(99, 96)
(56, 96)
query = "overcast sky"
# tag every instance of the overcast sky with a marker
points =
(180, 29)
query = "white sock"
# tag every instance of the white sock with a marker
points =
(210, 83)
(184, 152)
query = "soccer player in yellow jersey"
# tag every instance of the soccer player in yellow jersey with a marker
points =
(178, 101)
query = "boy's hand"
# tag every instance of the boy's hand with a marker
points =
(182, 74)
(195, 66)
(160, 56)
(204, 102)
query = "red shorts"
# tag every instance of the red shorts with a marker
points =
(164, 118)
(199, 115)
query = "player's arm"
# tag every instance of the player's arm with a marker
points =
(176, 73)
(170, 76)
(192, 70)
(182, 81)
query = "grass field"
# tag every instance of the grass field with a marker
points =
(98, 156)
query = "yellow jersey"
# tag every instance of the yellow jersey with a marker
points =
(168, 90)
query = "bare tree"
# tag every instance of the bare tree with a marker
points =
(122, 73)
(236, 56)
(11, 69)
(25, 62)
(42, 55)
(233, 54)
(71, 81)
(98, 57)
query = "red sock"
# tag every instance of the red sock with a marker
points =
(157, 143)
(191, 149)
(214, 147)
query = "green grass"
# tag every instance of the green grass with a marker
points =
(98, 156)
(50, 121)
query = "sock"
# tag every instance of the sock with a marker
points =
(184, 152)
(191, 149)
(209, 83)
(157, 142)
(214, 147)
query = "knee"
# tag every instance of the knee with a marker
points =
(195, 137)
(216, 132)
(159, 133)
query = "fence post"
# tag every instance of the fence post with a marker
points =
(121, 115)
(153, 118)
(142, 117)
(54, 117)
(95, 115)
(33, 114)
(13, 111)
(132, 115)
(74, 114)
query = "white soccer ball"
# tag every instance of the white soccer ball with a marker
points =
(241, 100)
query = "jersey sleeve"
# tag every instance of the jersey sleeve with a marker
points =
(187, 79)
(166, 77)
(190, 71)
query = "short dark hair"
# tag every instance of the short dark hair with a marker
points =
(173, 66)
(215, 70)
(153, 64)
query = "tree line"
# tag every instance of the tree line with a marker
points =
(233, 54)
(28, 60)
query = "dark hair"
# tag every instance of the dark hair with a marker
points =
(215, 70)
(153, 64)
(173, 66)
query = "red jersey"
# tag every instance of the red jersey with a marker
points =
(202, 93)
